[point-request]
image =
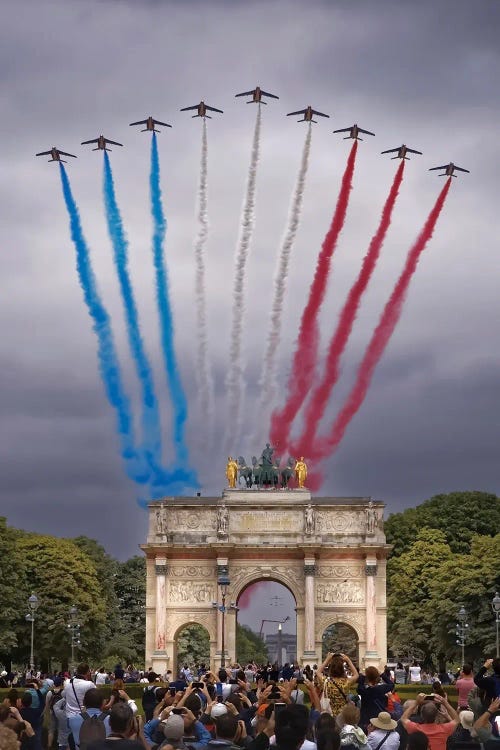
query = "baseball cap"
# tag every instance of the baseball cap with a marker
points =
(173, 727)
(218, 710)
(467, 719)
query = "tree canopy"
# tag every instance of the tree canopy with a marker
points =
(459, 515)
(249, 646)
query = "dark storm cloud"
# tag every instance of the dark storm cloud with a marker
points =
(424, 73)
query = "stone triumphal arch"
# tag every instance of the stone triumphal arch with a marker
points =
(330, 552)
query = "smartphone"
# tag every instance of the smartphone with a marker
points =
(177, 710)
(233, 682)
(278, 708)
(172, 691)
(197, 685)
(429, 697)
(300, 680)
(268, 711)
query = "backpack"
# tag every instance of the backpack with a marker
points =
(92, 728)
(149, 699)
(56, 697)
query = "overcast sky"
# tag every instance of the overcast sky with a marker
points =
(424, 73)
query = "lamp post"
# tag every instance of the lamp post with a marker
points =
(74, 628)
(461, 630)
(223, 582)
(495, 606)
(33, 604)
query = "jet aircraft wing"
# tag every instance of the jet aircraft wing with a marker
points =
(346, 130)
(367, 132)
(246, 93)
(94, 140)
(412, 151)
(214, 109)
(321, 114)
(185, 109)
(139, 122)
(159, 122)
(65, 153)
(299, 112)
(45, 153)
(390, 151)
(445, 166)
(115, 143)
(461, 169)
(266, 93)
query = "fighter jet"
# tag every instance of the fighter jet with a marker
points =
(202, 110)
(308, 113)
(449, 170)
(354, 132)
(56, 154)
(401, 152)
(101, 143)
(150, 123)
(257, 95)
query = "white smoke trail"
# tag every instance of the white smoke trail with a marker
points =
(234, 380)
(205, 384)
(267, 382)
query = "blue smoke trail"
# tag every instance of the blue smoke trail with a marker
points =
(178, 398)
(151, 425)
(109, 366)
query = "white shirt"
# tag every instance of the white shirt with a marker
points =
(414, 674)
(74, 706)
(100, 678)
(391, 743)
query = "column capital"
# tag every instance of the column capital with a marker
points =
(222, 569)
(161, 566)
(309, 569)
(371, 569)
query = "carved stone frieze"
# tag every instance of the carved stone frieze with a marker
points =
(191, 571)
(191, 591)
(337, 522)
(351, 570)
(161, 570)
(371, 570)
(187, 520)
(342, 592)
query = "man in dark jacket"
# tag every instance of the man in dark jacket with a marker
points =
(490, 684)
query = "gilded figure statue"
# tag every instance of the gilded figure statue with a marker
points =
(301, 472)
(232, 472)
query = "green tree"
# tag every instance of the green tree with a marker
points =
(427, 586)
(60, 575)
(193, 645)
(411, 619)
(13, 605)
(459, 515)
(249, 646)
(130, 591)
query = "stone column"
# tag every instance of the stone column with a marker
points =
(371, 654)
(309, 618)
(161, 605)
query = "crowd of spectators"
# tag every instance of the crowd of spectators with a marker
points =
(331, 707)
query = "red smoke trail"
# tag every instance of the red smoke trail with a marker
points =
(249, 593)
(306, 352)
(340, 338)
(382, 334)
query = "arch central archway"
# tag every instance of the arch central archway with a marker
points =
(266, 622)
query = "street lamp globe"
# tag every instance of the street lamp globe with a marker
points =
(33, 602)
(495, 603)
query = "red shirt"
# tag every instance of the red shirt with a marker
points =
(436, 733)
